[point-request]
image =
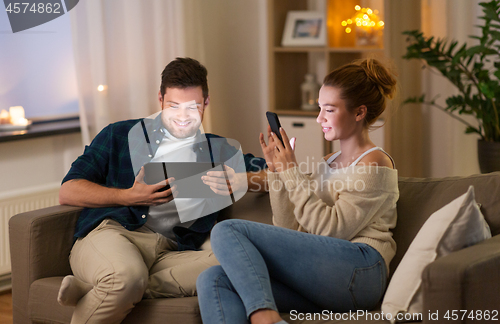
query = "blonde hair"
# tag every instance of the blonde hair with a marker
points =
(367, 82)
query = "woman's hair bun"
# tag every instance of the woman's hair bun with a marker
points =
(380, 75)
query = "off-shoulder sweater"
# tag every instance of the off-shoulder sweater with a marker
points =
(356, 203)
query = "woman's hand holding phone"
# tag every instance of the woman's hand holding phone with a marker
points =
(268, 150)
(284, 155)
(273, 147)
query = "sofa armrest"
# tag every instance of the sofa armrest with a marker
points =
(468, 279)
(40, 243)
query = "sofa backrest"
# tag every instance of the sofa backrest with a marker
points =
(419, 198)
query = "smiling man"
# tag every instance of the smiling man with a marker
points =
(131, 242)
(182, 120)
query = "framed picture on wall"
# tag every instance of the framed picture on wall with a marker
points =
(304, 28)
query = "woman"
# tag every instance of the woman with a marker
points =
(331, 244)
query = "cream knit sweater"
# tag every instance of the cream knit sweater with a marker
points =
(356, 203)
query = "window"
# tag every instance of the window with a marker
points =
(38, 69)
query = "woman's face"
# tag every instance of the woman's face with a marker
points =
(337, 122)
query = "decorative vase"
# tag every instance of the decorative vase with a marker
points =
(488, 154)
(310, 91)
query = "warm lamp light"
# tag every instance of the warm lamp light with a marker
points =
(102, 87)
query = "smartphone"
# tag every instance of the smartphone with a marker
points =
(274, 122)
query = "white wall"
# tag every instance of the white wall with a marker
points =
(447, 150)
(37, 163)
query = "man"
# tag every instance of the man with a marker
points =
(130, 241)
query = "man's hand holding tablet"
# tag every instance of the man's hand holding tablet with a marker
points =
(153, 194)
(225, 182)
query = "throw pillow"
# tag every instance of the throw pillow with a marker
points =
(453, 227)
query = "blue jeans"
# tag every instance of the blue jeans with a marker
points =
(269, 267)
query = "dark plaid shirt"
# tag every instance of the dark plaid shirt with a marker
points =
(107, 161)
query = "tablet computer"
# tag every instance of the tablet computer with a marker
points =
(187, 177)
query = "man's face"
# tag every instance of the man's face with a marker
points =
(182, 110)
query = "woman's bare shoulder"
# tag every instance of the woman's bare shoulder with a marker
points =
(377, 158)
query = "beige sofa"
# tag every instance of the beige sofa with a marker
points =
(40, 242)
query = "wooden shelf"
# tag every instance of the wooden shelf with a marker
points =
(302, 113)
(300, 49)
(367, 49)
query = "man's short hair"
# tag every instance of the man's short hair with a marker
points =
(184, 72)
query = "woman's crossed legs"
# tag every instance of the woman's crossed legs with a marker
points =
(268, 267)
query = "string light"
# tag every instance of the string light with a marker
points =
(365, 18)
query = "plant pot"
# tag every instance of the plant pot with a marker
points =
(488, 154)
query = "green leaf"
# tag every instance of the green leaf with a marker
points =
(495, 34)
(415, 99)
(479, 49)
(470, 130)
(452, 46)
(488, 92)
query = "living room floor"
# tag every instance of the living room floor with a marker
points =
(6, 308)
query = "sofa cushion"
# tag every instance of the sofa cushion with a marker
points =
(44, 308)
(42, 302)
(252, 206)
(455, 226)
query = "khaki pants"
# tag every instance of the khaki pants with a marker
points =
(125, 266)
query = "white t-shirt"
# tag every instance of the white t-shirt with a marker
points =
(163, 218)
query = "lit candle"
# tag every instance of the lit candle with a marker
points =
(4, 117)
(22, 122)
(17, 115)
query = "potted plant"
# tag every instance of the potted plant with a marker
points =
(475, 72)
